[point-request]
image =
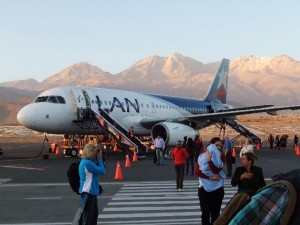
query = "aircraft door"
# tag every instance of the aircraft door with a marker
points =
(81, 101)
(87, 99)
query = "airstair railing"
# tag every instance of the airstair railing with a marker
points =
(114, 128)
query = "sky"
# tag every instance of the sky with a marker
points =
(39, 38)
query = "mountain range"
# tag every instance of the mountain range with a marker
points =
(252, 81)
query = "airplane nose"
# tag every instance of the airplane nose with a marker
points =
(26, 116)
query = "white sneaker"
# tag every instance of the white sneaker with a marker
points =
(179, 189)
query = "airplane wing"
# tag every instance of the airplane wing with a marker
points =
(270, 109)
(242, 111)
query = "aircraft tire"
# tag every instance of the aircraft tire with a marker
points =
(73, 152)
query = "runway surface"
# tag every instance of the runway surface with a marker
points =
(35, 191)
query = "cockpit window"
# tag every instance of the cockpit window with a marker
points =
(51, 99)
(61, 100)
(41, 99)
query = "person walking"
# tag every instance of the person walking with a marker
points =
(296, 139)
(198, 145)
(248, 147)
(190, 160)
(248, 178)
(179, 155)
(211, 188)
(90, 167)
(277, 142)
(159, 146)
(131, 134)
(227, 149)
(271, 140)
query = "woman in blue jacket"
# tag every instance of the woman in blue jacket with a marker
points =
(91, 166)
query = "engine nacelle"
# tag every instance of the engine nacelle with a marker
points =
(172, 132)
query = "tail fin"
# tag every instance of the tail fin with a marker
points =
(218, 88)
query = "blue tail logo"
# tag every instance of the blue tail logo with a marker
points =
(218, 89)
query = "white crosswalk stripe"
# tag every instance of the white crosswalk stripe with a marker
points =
(157, 203)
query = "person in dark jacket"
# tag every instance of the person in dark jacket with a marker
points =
(198, 145)
(248, 178)
(271, 140)
(191, 159)
(296, 139)
(227, 150)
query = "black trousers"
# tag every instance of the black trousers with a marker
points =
(89, 215)
(179, 169)
(229, 163)
(189, 161)
(210, 204)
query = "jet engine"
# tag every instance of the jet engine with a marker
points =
(172, 132)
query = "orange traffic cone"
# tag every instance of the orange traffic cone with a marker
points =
(134, 157)
(118, 175)
(127, 163)
(297, 150)
(257, 146)
(115, 148)
(56, 149)
(233, 152)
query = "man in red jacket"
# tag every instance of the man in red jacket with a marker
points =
(179, 155)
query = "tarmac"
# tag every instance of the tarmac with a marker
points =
(35, 190)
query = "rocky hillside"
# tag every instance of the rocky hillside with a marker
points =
(252, 80)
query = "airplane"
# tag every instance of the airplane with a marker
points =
(89, 110)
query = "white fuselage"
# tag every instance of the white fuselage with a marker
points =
(128, 108)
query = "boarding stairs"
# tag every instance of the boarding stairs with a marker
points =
(243, 131)
(119, 132)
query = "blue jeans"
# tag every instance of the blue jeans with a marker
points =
(159, 155)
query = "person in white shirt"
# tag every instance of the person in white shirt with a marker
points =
(159, 145)
(248, 147)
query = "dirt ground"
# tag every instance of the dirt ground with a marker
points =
(261, 125)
